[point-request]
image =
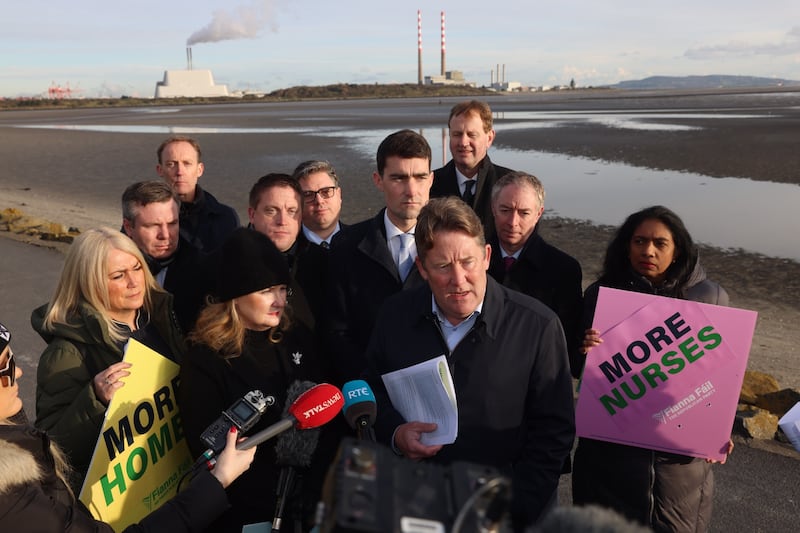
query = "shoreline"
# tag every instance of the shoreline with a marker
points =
(774, 296)
(76, 177)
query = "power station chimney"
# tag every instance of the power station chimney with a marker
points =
(189, 58)
(504, 73)
(419, 47)
(443, 47)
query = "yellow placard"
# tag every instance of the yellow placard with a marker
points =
(141, 453)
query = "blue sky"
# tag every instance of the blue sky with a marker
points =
(107, 48)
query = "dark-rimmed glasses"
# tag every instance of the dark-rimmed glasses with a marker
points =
(9, 371)
(324, 193)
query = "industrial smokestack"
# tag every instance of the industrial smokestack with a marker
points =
(419, 47)
(443, 47)
(188, 58)
(491, 78)
(504, 72)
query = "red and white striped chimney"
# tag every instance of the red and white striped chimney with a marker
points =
(443, 47)
(419, 47)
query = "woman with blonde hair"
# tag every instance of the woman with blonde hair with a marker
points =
(34, 494)
(105, 296)
(243, 341)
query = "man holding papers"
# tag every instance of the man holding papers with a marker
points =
(505, 365)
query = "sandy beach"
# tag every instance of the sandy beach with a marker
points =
(75, 177)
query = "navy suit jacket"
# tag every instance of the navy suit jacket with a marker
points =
(552, 277)
(445, 183)
(362, 274)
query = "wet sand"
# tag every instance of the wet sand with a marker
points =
(76, 177)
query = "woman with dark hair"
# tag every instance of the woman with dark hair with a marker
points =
(652, 252)
(35, 495)
(244, 340)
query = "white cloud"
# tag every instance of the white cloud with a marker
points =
(741, 48)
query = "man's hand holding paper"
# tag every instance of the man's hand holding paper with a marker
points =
(424, 393)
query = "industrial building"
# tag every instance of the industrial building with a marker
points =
(189, 83)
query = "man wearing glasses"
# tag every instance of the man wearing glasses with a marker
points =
(322, 201)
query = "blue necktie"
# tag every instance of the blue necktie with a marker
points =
(404, 259)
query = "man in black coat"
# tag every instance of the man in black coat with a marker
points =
(373, 259)
(275, 209)
(506, 354)
(470, 175)
(150, 219)
(522, 260)
(205, 221)
(322, 201)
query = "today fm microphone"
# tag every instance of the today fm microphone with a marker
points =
(360, 408)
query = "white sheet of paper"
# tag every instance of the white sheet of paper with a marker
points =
(790, 424)
(425, 393)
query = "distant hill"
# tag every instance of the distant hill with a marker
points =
(703, 82)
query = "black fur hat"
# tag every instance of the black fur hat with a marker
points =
(249, 262)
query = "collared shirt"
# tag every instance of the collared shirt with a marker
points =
(393, 231)
(453, 334)
(316, 239)
(505, 254)
(462, 179)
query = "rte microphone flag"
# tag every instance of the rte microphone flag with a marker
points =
(360, 408)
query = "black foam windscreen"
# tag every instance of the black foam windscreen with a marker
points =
(296, 447)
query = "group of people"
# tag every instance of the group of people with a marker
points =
(453, 264)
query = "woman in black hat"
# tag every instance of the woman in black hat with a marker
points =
(245, 340)
(35, 496)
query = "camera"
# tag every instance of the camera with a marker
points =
(370, 489)
(244, 414)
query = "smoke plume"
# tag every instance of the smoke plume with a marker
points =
(242, 22)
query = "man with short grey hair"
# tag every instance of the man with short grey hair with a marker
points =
(522, 260)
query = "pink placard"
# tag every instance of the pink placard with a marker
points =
(667, 375)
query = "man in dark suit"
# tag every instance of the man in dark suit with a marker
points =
(506, 355)
(150, 218)
(470, 175)
(275, 209)
(522, 260)
(322, 201)
(373, 259)
(205, 221)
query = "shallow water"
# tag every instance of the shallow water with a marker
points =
(735, 213)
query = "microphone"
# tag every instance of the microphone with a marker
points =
(296, 448)
(360, 408)
(292, 449)
(312, 409)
